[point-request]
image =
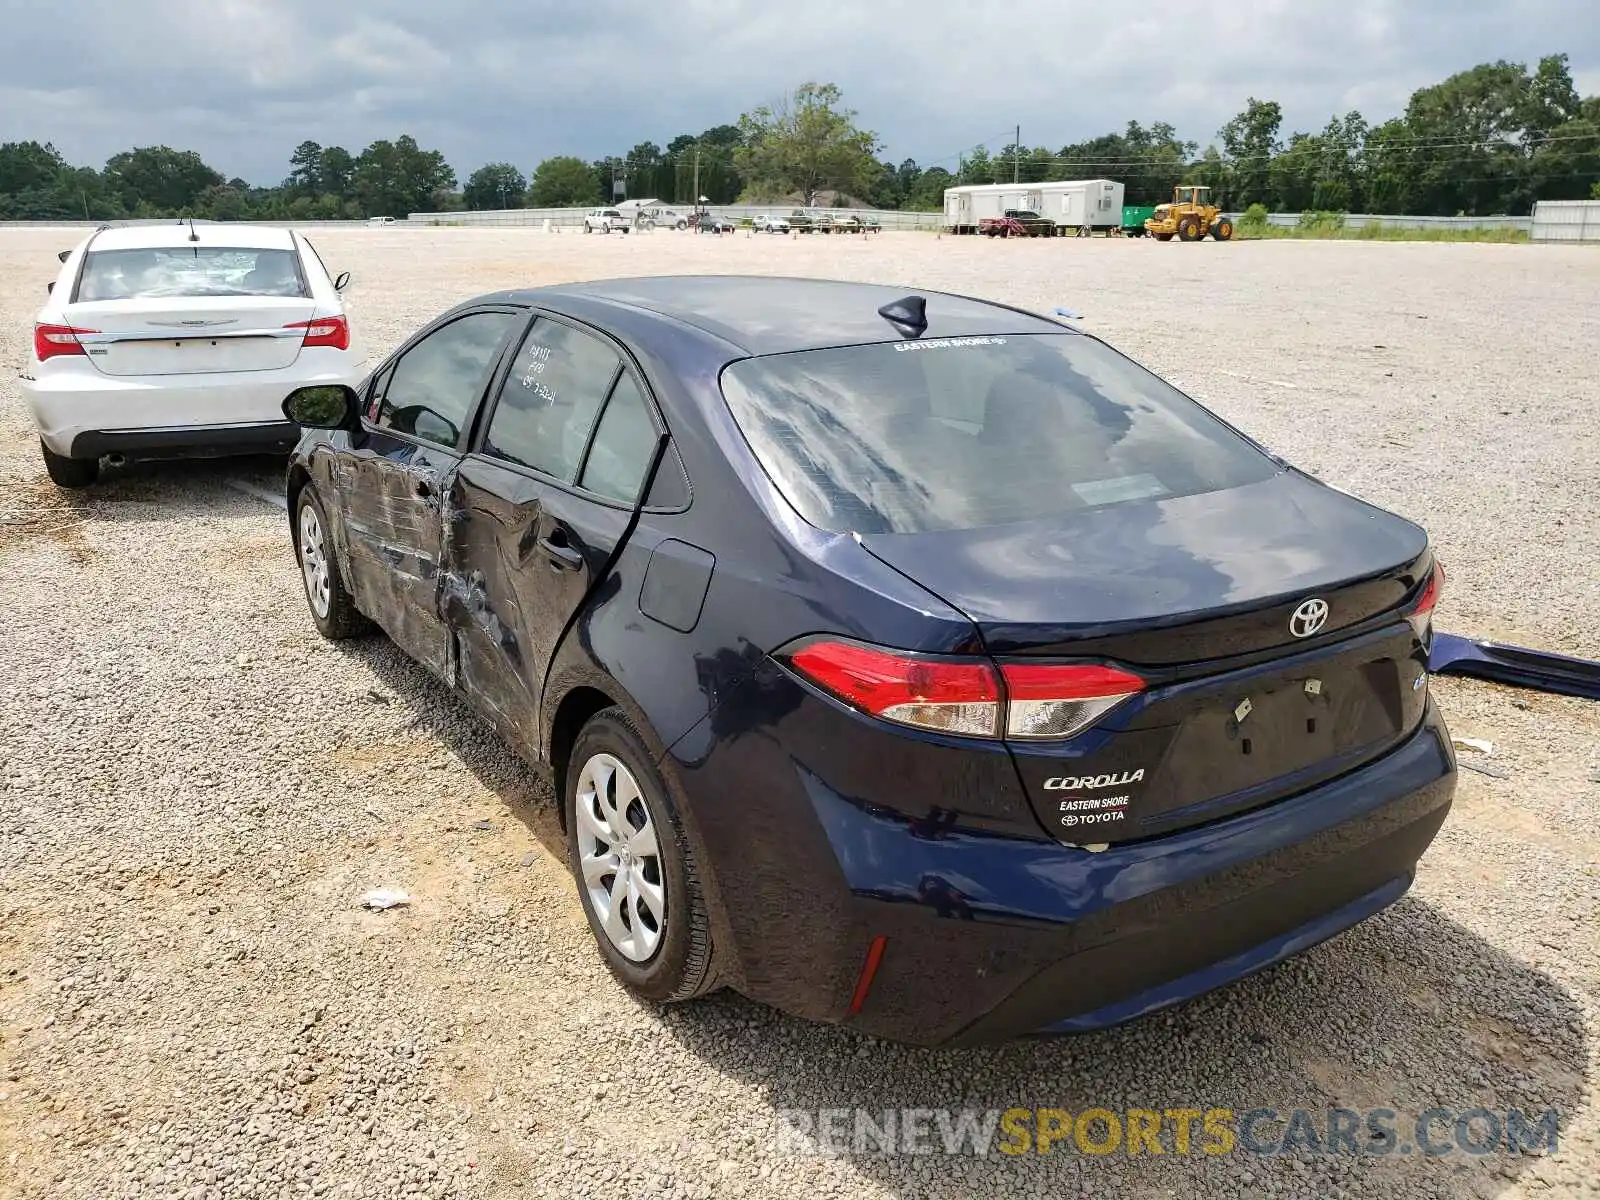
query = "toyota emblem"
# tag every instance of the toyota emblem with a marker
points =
(1311, 616)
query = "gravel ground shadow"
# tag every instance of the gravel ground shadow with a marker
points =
(1408, 1012)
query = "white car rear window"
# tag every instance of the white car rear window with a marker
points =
(190, 271)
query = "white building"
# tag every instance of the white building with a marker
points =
(1070, 204)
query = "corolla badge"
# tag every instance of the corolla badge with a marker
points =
(1078, 783)
(1311, 616)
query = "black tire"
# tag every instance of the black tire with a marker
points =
(1222, 230)
(1163, 237)
(680, 967)
(342, 620)
(64, 472)
(1190, 229)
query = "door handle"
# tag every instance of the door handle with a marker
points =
(563, 556)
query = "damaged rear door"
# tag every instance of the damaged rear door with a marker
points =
(415, 426)
(542, 505)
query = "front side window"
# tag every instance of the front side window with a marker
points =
(431, 391)
(551, 396)
(962, 433)
(190, 271)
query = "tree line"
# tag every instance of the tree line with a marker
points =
(1489, 140)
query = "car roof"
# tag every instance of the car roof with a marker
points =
(763, 314)
(209, 233)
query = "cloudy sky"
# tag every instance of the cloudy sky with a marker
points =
(244, 81)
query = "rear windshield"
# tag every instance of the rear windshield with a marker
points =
(963, 433)
(190, 271)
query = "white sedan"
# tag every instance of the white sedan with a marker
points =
(768, 224)
(181, 340)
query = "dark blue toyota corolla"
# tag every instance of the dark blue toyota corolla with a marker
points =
(902, 660)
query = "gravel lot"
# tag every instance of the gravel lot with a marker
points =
(195, 791)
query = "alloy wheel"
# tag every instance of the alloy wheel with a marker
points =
(620, 858)
(314, 561)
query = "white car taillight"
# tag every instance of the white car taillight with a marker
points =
(333, 332)
(54, 341)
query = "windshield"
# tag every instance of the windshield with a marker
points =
(190, 271)
(962, 433)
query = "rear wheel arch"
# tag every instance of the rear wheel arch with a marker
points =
(572, 713)
(584, 693)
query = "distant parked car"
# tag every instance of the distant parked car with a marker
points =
(850, 223)
(181, 340)
(1013, 225)
(801, 221)
(654, 218)
(770, 224)
(710, 223)
(1036, 225)
(605, 220)
(380, 221)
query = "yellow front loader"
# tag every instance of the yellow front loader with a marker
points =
(1191, 216)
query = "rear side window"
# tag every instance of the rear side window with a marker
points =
(965, 433)
(550, 399)
(623, 444)
(183, 271)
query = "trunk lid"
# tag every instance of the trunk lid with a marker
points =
(1197, 595)
(191, 335)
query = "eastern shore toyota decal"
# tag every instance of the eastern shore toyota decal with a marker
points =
(1094, 810)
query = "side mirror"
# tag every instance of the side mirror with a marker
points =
(323, 406)
(63, 255)
(342, 282)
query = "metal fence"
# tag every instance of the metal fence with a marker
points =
(1552, 220)
(1566, 221)
(173, 221)
(899, 220)
(573, 217)
(1358, 220)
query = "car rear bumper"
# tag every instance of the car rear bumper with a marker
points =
(203, 441)
(990, 937)
(79, 409)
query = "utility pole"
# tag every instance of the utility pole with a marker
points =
(1016, 157)
(697, 177)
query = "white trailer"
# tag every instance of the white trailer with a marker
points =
(1071, 205)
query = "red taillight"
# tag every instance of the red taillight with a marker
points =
(53, 341)
(1058, 700)
(949, 695)
(1421, 617)
(966, 696)
(333, 332)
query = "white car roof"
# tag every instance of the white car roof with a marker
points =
(244, 237)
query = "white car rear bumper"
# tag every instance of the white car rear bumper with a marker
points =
(81, 413)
